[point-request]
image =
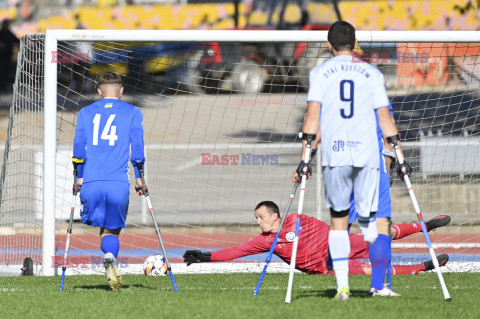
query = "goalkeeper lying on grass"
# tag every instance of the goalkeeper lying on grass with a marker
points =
(312, 254)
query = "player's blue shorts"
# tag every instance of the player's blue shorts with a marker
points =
(105, 203)
(384, 202)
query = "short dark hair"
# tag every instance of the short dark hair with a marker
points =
(341, 36)
(271, 207)
(109, 77)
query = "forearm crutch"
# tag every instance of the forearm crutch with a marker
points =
(274, 244)
(76, 190)
(406, 178)
(309, 138)
(150, 208)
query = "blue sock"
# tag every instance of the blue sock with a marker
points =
(110, 244)
(380, 255)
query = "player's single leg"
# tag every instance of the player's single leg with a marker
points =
(110, 246)
(380, 255)
(379, 224)
(366, 184)
(93, 197)
(116, 206)
(109, 242)
(380, 252)
(339, 246)
(360, 251)
(338, 188)
(402, 230)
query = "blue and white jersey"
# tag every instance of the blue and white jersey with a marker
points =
(349, 93)
(105, 131)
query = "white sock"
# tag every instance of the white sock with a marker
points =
(339, 245)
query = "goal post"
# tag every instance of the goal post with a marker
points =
(223, 136)
(51, 40)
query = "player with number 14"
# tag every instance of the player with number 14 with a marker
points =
(105, 132)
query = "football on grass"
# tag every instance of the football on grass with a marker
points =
(155, 265)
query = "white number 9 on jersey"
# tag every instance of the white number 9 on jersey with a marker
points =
(108, 132)
(347, 97)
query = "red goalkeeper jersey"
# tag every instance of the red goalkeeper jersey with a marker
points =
(312, 250)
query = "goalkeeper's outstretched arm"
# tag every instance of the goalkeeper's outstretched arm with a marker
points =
(254, 246)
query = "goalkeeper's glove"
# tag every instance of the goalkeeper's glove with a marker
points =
(403, 169)
(196, 256)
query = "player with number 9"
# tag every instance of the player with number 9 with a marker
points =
(106, 131)
(346, 95)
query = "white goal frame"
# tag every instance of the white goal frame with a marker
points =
(50, 85)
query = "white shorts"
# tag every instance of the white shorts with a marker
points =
(340, 181)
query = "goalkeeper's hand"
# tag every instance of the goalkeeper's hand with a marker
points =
(196, 256)
(403, 169)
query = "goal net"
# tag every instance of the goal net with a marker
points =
(221, 118)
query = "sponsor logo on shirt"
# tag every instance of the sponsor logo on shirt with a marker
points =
(338, 146)
(290, 236)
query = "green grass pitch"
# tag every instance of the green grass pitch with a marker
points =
(230, 296)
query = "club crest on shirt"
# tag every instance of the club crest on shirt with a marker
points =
(290, 236)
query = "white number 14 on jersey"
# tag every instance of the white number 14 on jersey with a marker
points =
(108, 132)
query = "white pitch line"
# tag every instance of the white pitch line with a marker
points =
(189, 164)
(249, 146)
(439, 245)
(286, 145)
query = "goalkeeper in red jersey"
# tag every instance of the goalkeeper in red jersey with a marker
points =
(312, 253)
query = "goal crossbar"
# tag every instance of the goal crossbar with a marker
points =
(258, 36)
(50, 87)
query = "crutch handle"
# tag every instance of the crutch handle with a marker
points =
(139, 165)
(76, 188)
